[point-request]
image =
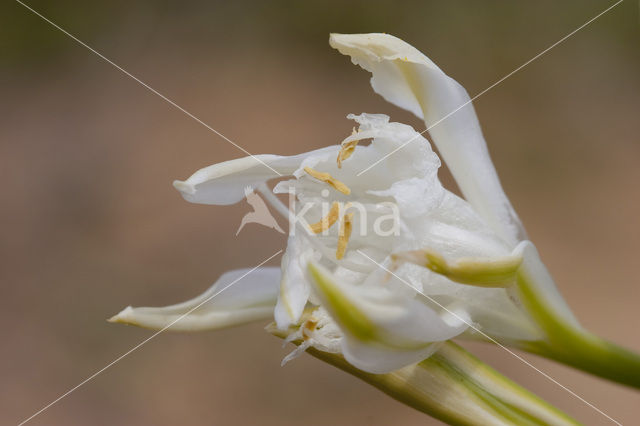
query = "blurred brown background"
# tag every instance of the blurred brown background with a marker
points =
(89, 222)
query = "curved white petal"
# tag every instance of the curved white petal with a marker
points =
(499, 312)
(378, 359)
(410, 80)
(491, 310)
(383, 329)
(224, 183)
(294, 288)
(456, 230)
(237, 297)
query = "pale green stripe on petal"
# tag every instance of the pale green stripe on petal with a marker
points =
(384, 329)
(347, 314)
(500, 271)
(565, 340)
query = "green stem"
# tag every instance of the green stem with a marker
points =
(454, 386)
(590, 353)
(570, 344)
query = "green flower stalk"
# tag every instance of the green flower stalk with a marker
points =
(570, 343)
(454, 386)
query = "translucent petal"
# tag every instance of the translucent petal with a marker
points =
(491, 310)
(380, 359)
(294, 288)
(237, 297)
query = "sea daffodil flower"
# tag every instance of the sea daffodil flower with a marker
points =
(382, 324)
(383, 264)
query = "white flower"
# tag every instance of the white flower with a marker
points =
(383, 324)
(364, 248)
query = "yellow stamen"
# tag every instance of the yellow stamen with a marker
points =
(344, 234)
(327, 221)
(308, 327)
(345, 152)
(326, 177)
(347, 149)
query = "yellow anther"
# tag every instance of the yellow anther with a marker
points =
(308, 327)
(326, 177)
(344, 234)
(345, 151)
(327, 221)
(310, 324)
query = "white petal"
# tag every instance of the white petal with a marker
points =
(294, 287)
(406, 192)
(410, 80)
(491, 310)
(417, 160)
(456, 230)
(503, 312)
(384, 329)
(237, 297)
(379, 360)
(224, 183)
